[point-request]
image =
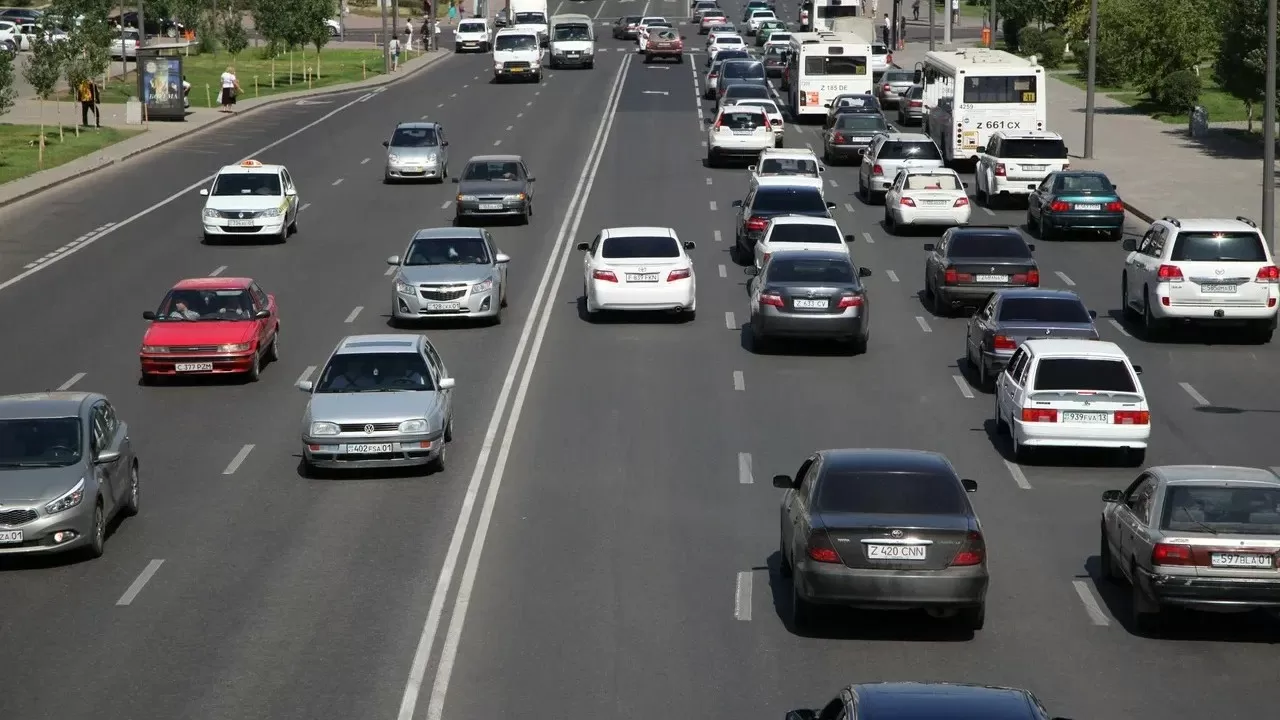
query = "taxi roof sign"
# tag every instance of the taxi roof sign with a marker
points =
(251, 164)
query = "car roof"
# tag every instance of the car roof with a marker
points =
(1046, 293)
(1070, 347)
(1029, 135)
(1213, 225)
(377, 343)
(887, 460)
(495, 158)
(929, 171)
(803, 220)
(812, 255)
(804, 153)
(1080, 173)
(1212, 474)
(448, 232)
(43, 405)
(985, 230)
(908, 137)
(214, 283)
(418, 124)
(784, 182)
(637, 231)
(912, 699)
(735, 107)
(241, 168)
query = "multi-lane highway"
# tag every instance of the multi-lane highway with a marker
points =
(604, 541)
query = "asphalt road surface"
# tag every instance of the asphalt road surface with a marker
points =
(616, 476)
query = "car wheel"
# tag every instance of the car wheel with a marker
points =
(97, 534)
(1002, 427)
(984, 380)
(858, 346)
(131, 502)
(496, 318)
(273, 350)
(1143, 612)
(890, 225)
(979, 194)
(437, 464)
(1106, 564)
(1116, 235)
(1125, 308)
(1135, 457)
(784, 564)
(1021, 453)
(1261, 331)
(448, 431)
(283, 237)
(972, 618)
(1151, 327)
(255, 370)
(940, 307)
(524, 217)
(293, 226)
(457, 48)
(647, 58)
(1032, 230)
(1046, 231)
(801, 610)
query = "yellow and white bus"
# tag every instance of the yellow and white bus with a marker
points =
(971, 93)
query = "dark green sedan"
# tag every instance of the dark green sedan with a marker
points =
(767, 29)
(1075, 201)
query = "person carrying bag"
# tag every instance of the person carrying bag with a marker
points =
(89, 101)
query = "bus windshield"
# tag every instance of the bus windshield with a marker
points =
(988, 90)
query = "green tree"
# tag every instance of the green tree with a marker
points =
(1157, 38)
(232, 34)
(8, 81)
(1241, 67)
(316, 12)
(43, 70)
(272, 18)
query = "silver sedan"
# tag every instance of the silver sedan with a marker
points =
(449, 272)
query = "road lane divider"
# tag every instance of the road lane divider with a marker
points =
(924, 324)
(135, 588)
(1116, 324)
(70, 383)
(218, 271)
(306, 375)
(722, 270)
(739, 381)
(1063, 277)
(729, 322)
(354, 314)
(1195, 394)
(963, 384)
(1018, 476)
(238, 460)
(1091, 604)
(893, 276)
(742, 597)
(744, 469)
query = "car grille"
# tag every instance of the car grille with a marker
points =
(361, 427)
(516, 64)
(443, 292)
(17, 517)
(250, 229)
(193, 349)
(492, 199)
(239, 214)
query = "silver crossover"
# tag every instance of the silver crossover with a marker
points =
(380, 401)
(449, 272)
(67, 469)
(417, 151)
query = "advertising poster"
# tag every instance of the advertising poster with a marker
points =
(160, 87)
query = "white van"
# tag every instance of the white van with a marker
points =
(573, 41)
(530, 14)
(517, 54)
(472, 36)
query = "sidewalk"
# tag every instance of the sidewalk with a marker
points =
(27, 112)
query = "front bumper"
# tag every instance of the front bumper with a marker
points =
(415, 307)
(407, 171)
(1201, 593)
(220, 227)
(342, 452)
(166, 364)
(39, 536)
(521, 73)
(471, 45)
(768, 322)
(508, 208)
(830, 584)
(580, 59)
(1091, 435)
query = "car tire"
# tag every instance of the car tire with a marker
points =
(457, 48)
(273, 350)
(448, 431)
(97, 533)
(1261, 331)
(1126, 310)
(858, 346)
(1116, 235)
(939, 305)
(255, 371)
(1047, 232)
(207, 239)
(283, 237)
(890, 225)
(984, 378)
(1151, 327)
(1106, 563)
(1002, 427)
(439, 462)
(133, 501)
(293, 226)
(524, 217)
(1022, 454)
(1032, 230)
(711, 159)
(1144, 614)
(972, 618)
(980, 195)
(647, 58)
(801, 610)
(784, 564)
(496, 318)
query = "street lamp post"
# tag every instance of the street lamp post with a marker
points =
(1091, 84)
(932, 7)
(946, 24)
(1269, 133)
(992, 25)
(386, 41)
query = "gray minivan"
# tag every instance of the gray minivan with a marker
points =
(573, 41)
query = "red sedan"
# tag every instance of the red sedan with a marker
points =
(211, 326)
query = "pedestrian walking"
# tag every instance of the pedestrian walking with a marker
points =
(230, 88)
(955, 12)
(902, 32)
(885, 29)
(89, 101)
(915, 10)
(408, 35)
(453, 13)
(393, 48)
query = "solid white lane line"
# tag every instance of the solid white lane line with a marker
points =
(139, 582)
(870, 240)
(848, 207)
(71, 382)
(539, 317)
(728, 320)
(237, 460)
(1195, 394)
(717, 236)
(304, 207)
(893, 276)
(987, 210)
(391, 270)
(1116, 324)
(723, 272)
(1091, 605)
(218, 271)
(306, 374)
(337, 182)
(744, 469)
(742, 597)
(739, 381)
(445, 205)
(365, 161)
(1063, 277)
(963, 385)
(354, 313)
(1018, 476)
(713, 206)
(924, 324)
(497, 142)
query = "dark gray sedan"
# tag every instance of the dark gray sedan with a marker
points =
(882, 529)
(969, 263)
(850, 134)
(1011, 317)
(810, 294)
(495, 186)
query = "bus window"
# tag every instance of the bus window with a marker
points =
(819, 65)
(987, 90)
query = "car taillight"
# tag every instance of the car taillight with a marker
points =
(1039, 415)
(961, 202)
(680, 274)
(755, 223)
(1030, 278)
(951, 277)
(819, 549)
(767, 125)
(771, 299)
(999, 169)
(1169, 272)
(1058, 206)
(653, 44)
(712, 76)
(973, 552)
(1132, 417)
(1117, 206)
(838, 138)
(1268, 274)
(907, 202)
(888, 59)
(917, 103)
(885, 88)
(765, 257)
(1170, 554)
(849, 301)
(877, 170)
(717, 125)
(1004, 342)
(605, 275)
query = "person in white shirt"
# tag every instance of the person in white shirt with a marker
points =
(393, 47)
(408, 35)
(230, 87)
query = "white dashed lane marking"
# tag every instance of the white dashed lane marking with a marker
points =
(729, 322)
(723, 272)
(337, 182)
(1018, 476)
(135, 588)
(893, 276)
(739, 381)
(742, 597)
(744, 469)
(218, 271)
(714, 207)
(71, 382)
(354, 314)
(963, 385)
(238, 460)
(870, 240)
(717, 236)
(1116, 324)
(1063, 277)
(1091, 604)
(924, 324)
(1195, 394)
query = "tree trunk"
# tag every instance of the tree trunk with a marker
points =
(1248, 115)
(58, 113)
(290, 66)
(317, 63)
(40, 152)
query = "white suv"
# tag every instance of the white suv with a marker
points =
(739, 131)
(471, 36)
(1209, 270)
(1016, 163)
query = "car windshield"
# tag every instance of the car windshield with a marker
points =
(939, 181)
(861, 122)
(1047, 310)
(1218, 509)
(1084, 183)
(909, 150)
(744, 69)
(448, 251)
(1074, 374)
(766, 105)
(486, 171)
(816, 272)
(531, 18)
(789, 200)
(206, 306)
(236, 183)
(414, 137)
(625, 248)
(1219, 247)
(39, 442)
(516, 42)
(471, 27)
(889, 493)
(741, 120)
(805, 233)
(789, 166)
(573, 32)
(984, 245)
(1029, 149)
(375, 372)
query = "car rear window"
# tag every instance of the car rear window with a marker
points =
(915, 92)
(767, 105)
(1218, 509)
(744, 91)
(898, 76)
(1049, 310)
(1219, 247)
(623, 248)
(805, 233)
(889, 493)
(1073, 374)
(1027, 149)
(941, 181)
(836, 272)
(861, 122)
(742, 119)
(728, 40)
(744, 69)
(789, 200)
(1084, 183)
(856, 101)
(909, 150)
(976, 245)
(789, 166)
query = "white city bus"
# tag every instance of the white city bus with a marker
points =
(822, 66)
(971, 93)
(820, 15)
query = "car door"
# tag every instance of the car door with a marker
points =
(1037, 200)
(934, 263)
(744, 211)
(266, 327)
(528, 183)
(979, 324)
(986, 164)
(493, 258)
(118, 432)
(290, 196)
(894, 195)
(1007, 384)
(438, 369)
(1133, 520)
(869, 160)
(1142, 263)
(444, 147)
(100, 441)
(589, 262)
(796, 521)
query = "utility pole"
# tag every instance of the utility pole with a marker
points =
(386, 41)
(1269, 133)
(992, 24)
(142, 27)
(1091, 84)
(946, 26)
(933, 5)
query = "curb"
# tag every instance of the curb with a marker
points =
(335, 90)
(1135, 211)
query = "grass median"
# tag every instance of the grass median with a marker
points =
(1222, 106)
(20, 147)
(260, 76)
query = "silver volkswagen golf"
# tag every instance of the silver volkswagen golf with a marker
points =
(449, 272)
(380, 401)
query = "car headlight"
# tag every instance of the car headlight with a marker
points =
(237, 347)
(154, 349)
(497, 66)
(273, 212)
(404, 288)
(429, 160)
(393, 158)
(466, 198)
(210, 213)
(515, 198)
(413, 426)
(324, 428)
(482, 287)
(68, 500)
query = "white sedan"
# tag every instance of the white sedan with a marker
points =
(797, 232)
(638, 268)
(926, 196)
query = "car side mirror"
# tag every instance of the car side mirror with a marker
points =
(737, 203)
(1112, 496)
(1137, 369)
(969, 485)
(204, 192)
(290, 192)
(1129, 245)
(850, 238)
(929, 247)
(827, 105)
(447, 383)
(107, 456)
(864, 272)
(455, 181)
(444, 144)
(533, 179)
(689, 245)
(751, 168)
(306, 386)
(783, 482)
(584, 246)
(964, 185)
(822, 168)
(979, 151)
(262, 315)
(393, 260)
(1115, 187)
(502, 258)
(386, 143)
(752, 271)
(1093, 314)
(831, 206)
(1031, 247)
(149, 315)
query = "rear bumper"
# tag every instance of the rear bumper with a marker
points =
(1210, 313)
(846, 152)
(743, 151)
(1019, 186)
(970, 294)
(1211, 593)
(845, 325)
(1083, 221)
(677, 295)
(1094, 435)
(927, 215)
(829, 584)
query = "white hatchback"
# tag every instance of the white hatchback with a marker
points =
(926, 196)
(638, 268)
(1072, 393)
(800, 232)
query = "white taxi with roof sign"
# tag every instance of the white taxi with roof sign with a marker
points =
(250, 199)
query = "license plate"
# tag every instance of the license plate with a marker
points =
(1033, 168)
(490, 206)
(572, 54)
(896, 552)
(443, 306)
(1086, 417)
(935, 202)
(10, 537)
(192, 367)
(811, 304)
(1241, 560)
(642, 277)
(371, 449)
(1216, 289)
(516, 70)
(993, 278)
(240, 223)
(742, 132)
(1088, 207)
